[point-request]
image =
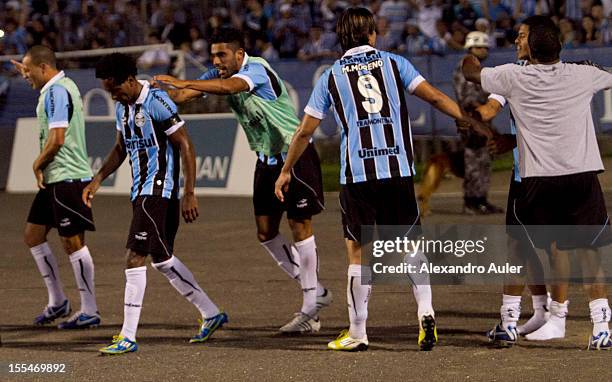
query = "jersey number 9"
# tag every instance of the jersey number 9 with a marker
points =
(369, 89)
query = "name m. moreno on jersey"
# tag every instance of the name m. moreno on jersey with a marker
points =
(359, 66)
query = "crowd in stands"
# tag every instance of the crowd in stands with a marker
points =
(276, 29)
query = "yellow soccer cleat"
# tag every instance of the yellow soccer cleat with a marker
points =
(344, 342)
(428, 334)
(120, 345)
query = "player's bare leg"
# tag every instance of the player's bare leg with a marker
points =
(35, 237)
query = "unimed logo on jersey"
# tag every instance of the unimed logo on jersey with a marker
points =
(214, 144)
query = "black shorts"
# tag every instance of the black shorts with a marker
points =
(513, 227)
(155, 222)
(305, 196)
(60, 205)
(513, 194)
(388, 202)
(573, 201)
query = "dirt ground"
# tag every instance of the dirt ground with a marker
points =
(222, 251)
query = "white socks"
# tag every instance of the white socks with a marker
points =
(555, 326)
(287, 257)
(183, 281)
(47, 265)
(422, 295)
(307, 250)
(600, 315)
(281, 251)
(510, 310)
(539, 318)
(83, 267)
(357, 296)
(136, 282)
(421, 287)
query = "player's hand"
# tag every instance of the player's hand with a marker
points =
(89, 191)
(169, 80)
(20, 67)
(502, 143)
(189, 207)
(479, 127)
(40, 179)
(282, 185)
(463, 125)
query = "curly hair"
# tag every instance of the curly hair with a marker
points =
(117, 67)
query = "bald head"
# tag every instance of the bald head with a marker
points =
(39, 66)
(40, 54)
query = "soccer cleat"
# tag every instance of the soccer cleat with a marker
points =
(344, 342)
(120, 345)
(602, 341)
(302, 323)
(503, 337)
(51, 313)
(208, 327)
(324, 300)
(81, 320)
(428, 334)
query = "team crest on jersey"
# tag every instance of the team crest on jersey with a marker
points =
(139, 119)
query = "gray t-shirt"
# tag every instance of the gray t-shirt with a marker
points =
(551, 105)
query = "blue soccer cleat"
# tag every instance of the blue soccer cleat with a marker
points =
(120, 345)
(81, 321)
(602, 341)
(208, 327)
(503, 337)
(51, 313)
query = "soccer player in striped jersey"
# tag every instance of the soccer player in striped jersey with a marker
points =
(260, 101)
(62, 171)
(558, 159)
(366, 88)
(152, 134)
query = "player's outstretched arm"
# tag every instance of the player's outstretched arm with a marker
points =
(299, 142)
(189, 203)
(489, 110)
(218, 86)
(177, 95)
(53, 145)
(471, 68)
(111, 164)
(442, 102)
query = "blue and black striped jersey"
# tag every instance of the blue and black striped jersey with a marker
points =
(366, 87)
(145, 127)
